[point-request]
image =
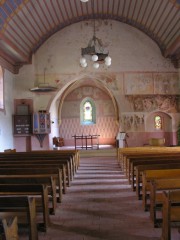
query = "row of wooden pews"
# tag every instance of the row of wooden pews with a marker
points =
(34, 183)
(154, 174)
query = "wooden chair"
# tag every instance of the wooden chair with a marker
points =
(58, 142)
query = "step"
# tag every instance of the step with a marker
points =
(98, 152)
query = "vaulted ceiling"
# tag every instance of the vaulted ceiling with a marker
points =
(26, 24)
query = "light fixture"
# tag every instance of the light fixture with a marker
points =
(43, 87)
(95, 49)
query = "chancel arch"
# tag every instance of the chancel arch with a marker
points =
(105, 111)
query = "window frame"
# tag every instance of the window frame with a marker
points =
(82, 120)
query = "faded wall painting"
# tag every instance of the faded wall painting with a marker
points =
(133, 122)
(163, 103)
(151, 83)
(138, 83)
(166, 83)
(109, 80)
(71, 104)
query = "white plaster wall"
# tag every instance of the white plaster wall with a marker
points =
(131, 51)
(6, 129)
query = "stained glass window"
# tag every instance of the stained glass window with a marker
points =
(87, 110)
(158, 122)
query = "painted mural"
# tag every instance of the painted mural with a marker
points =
(151, 83)
(133, 122)
(166, 83)
(165, 103)
(138, 83)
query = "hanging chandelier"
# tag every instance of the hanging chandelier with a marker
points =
(95, 50)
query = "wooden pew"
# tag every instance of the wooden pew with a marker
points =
(49, 180)
(170, 212)
(64, 162)
(72, 155)
(21, 157)
(158, 173)
(145, 159)
(146, 155)
(149, 161)
(51, 172)
(141, 169)
(39, 192)
(39, 165)
(156, 190)
(21, 204)
(10, 229)
(133, 151)
(74, 152)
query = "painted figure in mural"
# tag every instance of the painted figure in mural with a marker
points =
(167, 104)
(148, 104)
(138, 104)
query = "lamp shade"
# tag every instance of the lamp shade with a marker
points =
(84, 0)
(108, 59)
(108, 63)
(94, 58)
(82, 60)
(96, 65)
(84, 64)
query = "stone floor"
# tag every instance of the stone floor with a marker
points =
(100, 205)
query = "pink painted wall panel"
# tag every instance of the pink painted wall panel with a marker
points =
(105, 127)
(137, 139)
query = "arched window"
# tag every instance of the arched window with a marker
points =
(158, 122)
(1, 89)
(87, 111)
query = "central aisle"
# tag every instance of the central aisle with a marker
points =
(100, 205)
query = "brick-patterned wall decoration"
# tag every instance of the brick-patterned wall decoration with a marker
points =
(105, 127)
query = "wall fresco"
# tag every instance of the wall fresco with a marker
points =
(138, 83)
(166, 103)
(166, 83)
(87, 91)
(109, 80)
(133, 122)
(151, 83)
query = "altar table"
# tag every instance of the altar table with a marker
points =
(86, 141)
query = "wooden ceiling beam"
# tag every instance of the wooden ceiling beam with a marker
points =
(13, 48)
(173, 48)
